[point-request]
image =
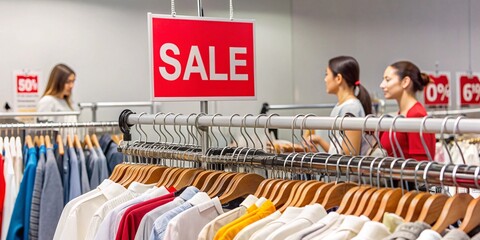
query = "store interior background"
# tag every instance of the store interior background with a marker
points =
(105, 42)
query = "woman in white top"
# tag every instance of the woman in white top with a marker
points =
(342, 79)
(57, 95)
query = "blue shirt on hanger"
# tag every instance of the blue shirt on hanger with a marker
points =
(75, 184)
(19, 225)
(51, 205)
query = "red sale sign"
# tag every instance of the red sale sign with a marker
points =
(469, 87)
(201, 58)
(27, 84)
(437, 93)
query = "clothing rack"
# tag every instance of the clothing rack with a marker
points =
(384, 123)
(95, 105)
(373, 167)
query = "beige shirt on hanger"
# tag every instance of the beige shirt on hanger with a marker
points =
(208, 232)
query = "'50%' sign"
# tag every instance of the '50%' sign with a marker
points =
(469, 86)
(27, 84)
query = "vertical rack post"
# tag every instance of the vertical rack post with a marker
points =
(203, 104)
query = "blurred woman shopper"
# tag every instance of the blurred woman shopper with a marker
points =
(342, 79)
(401, 81)
(57, 95)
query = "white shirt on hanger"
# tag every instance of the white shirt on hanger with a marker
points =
(323, 224)
(249, 230)
(372, 231)
(195, 218)
(309, 215)
(109, 225)
(11, 188)
(81, 214)
(18, 164)
(349, 228)
(429, 234)
(208, 231)
(134, 190)
(287, 216)
(70, 205)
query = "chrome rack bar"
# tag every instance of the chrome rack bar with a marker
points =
(95, 105)
(58, 125)
(431, 125)
(37, 114)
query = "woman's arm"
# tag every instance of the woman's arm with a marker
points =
(355, 138)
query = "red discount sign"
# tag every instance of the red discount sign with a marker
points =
(437, 93)
(201, 59)
(27, 84)
(469, 86)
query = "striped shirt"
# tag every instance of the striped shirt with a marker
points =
(37, 195)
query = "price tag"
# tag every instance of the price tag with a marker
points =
(469, 87)
(437, 93)
(27, 89)
(27, 84)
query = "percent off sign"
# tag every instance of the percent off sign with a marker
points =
(437, 93)
(469, 86)
(27, 84)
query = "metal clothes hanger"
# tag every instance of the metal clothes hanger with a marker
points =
(442, 139)
(455, 129)
(472, 215)
(333, 137)
(335, 194)
(247, 148)
(433, 206)
(390, 199)
(392, 131)
(139, 171)
(352, 198)
(345, 139)
(371, 197)
(364, 136)
(322, 190)
(455, 208)
(407, 197)
(307, 191)
(422, 139)
(267, 122)
(311, 146)
(418, 201)
(377, 136)
(294, 136)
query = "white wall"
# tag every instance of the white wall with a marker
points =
(378, 33)
(105, 42)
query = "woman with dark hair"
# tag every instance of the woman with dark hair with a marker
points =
(57, 95)
(342, 79)
(401, 81)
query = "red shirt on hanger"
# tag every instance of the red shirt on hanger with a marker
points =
(133, 216)
(410, 142)
(2, 191)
